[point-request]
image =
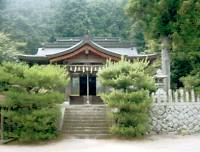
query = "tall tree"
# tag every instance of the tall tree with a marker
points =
(28, 21)
(73, 18)
(7, 48)
(173, 23)
(36, 21)
(99, 18)
(2, 7)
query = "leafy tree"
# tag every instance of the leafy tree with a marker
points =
(137, 37)
(173, 23)
(192, 82)
(130, 94)
(30, 109)
(36, 21)
(27, 21)
(186, 42)
(7, 48)
(99, 18)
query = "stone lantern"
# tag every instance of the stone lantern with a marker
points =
(159, 77)
(161, 95)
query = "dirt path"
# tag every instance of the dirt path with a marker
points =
(151, 144)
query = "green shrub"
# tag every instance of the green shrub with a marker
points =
(25, 99)
(30, 108)
(192, 82)
(31, 125)
(130, 87)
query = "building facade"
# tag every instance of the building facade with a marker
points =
(83, 58)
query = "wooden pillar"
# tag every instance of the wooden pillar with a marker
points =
(68, 90)
(88, 97)
(68, 86)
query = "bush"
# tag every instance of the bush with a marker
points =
(31, 125)
(192, 82)
(131, 87)
(30, 110)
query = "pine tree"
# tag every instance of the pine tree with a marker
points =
(32, 93)
(130, 94)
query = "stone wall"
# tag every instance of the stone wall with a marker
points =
(175, 118)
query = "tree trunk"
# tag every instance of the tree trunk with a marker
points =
(166, 62)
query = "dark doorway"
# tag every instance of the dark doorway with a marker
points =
(84, 82)
(83, 85)
(92, 85)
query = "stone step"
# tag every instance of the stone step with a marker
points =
(86, 114)
(87, 128)
(93, 119)
(86, 111)
(86, 131)
(89, 136)
(96, 108)
(66, 125)
(79, 121)
(87, 121)
(86, 124)
(87, 107)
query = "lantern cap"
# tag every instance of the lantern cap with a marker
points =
(160, 74)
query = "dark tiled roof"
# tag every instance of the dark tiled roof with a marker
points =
(112, 46)
(110, 42)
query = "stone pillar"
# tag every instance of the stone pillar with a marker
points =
(166, 63)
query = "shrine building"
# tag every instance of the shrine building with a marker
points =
(83, 57)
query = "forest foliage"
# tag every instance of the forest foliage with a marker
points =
(179, 22)
(36, 21)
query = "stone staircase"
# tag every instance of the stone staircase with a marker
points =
(87, 121)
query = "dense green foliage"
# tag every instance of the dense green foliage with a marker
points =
(100, 18)
(7, 48)
(177, 21)
(27, 21)
(130, 94)
(31, 125)
(32, 94)
(36, 21)
(192, 82)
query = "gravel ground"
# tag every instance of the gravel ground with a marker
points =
(150, 144)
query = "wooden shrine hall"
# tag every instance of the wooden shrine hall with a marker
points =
(83, 57)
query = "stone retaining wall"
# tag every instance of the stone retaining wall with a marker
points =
(175, 118)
